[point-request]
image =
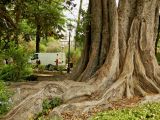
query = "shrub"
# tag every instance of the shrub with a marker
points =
(74, 55)
(41, 68)
(4, 98)
(18, 68)
(43, 48)
(48, 105)
(8, 73)
(53, 46)
(55, 102)
(61, 68)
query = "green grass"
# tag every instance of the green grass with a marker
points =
(150, 111)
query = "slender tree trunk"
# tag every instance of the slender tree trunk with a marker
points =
(38, 39)
(78, 20)
(38, 28)
(85, 53)
(17, 19)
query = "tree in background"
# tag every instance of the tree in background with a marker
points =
(81, 29)
(78, 21)
(7, 25)
(32, 19)
(46, 16)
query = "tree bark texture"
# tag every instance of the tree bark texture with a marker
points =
(121, 54)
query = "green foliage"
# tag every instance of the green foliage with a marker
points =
(53, 46)
(50, 104)
(25, 27)
(51, 68)
(46, 13)
(61, 68)
(18, 67)
(74, 55)
(47, 106)
(148, 111)
(42, 48)
(82, 29)
(4, 98)
(158, 57)
(41, 68)
(55, 102)
(8, 73)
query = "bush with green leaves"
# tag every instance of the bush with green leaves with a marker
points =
(41, 68)
(4, 98)
(74, 55)
(150, 111)
(48, 105)
(61, 68)
(18, 67)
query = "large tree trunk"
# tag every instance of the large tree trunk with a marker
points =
(122, 56)
(118, 59)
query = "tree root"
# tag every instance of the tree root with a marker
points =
(77, 96)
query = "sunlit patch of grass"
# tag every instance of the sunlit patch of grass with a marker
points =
(150, 111)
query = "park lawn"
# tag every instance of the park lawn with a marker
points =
(149, 111)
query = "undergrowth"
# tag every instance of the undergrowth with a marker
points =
(4, 98)
(48, 105)
(150, 111)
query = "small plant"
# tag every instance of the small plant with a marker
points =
(18, 66)
(47, 106)
(41, 68)
(50, 104)
(61, 69)
(51, 68)
(55, 102)
(4, 98)
(74, 55)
